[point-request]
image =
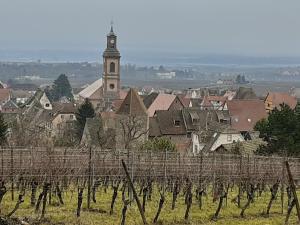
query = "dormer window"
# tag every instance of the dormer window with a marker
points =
(177, 123)
(47, 105)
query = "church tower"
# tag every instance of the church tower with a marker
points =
(111, 68)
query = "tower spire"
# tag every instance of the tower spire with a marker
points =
(111, 26)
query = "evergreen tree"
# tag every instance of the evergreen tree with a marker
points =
(3, 130)
(86, 110)
(61, 88)
(281, 131)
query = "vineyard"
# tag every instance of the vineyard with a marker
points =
(92, 186)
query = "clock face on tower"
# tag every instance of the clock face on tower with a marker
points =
(112, 41)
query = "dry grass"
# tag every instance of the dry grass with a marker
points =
(66, 214)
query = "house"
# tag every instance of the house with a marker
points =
(222, 135)
(189, 128)
(51, 123)
(171, 125)
(10, 107)
(274, 99)
(242, 148)
(39, 99)
(160, 101)
(244, 114)
(213, 102)
(132, 122)
(200, 125)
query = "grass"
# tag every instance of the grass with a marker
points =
(229, 214)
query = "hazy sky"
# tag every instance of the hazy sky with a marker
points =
(243, 27)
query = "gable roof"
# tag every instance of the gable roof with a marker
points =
(91, 89)
(163, 123)
(202, 118)
(63, 108)
(10, 105)
(35, 99)
(245, 93)
(161, 102)
(278, 98)
(149, 99)
(244, 114)
(132, 104)
(184, 100)
(245, 147)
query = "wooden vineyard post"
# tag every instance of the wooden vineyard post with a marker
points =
(134, 193)
(282, 186)
(12, 173)
(293, 188)
(89, 179)
(2, 162)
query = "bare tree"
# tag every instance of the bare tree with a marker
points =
(133, 128)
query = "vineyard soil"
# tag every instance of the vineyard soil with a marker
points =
(99, 212)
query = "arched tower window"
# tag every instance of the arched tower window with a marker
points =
(112, 67)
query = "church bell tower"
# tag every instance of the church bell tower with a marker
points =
(111, 68)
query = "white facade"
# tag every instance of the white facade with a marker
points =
(226, 139)
(196, 144)
(45, 102)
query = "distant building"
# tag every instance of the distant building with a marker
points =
(166, 75)
(274, 99)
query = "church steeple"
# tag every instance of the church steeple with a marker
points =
(111, 48)
(111, 67)
(111, 27)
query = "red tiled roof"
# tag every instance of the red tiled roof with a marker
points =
(132, 104)
(116, 104)
(161, 102)
(244, 114)
(184, 100)
(4, 95)
(278, 98)
(123, 94)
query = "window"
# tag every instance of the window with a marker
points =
(176, 123)
(229, 137)
(71, 117)
(62, 116)
(47, 104)
(112, 67)
(112, 86)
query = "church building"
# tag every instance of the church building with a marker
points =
(104, 91)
